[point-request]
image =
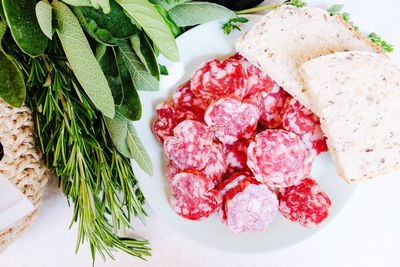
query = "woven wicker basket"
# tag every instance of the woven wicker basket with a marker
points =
(22, 163)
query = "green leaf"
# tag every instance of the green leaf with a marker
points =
(3, 29)
(170, 22)
(143, 49)
(103, 4)
(44, 17)
(145, 14)
(83, 63)
(2, 10)
(163, 70)
(118, 130)
(78, 2)
(376, 39)
(193, 13)
(130, 108)
(24, 26)
(138, 152)
(106, 58)
(12, 86)
(168, 4)
(142, 79)
(229, 26)
(335, 9)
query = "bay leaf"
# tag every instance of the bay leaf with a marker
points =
(12, 86)
(145, 14)
(24, 26)
(142, 79)
(144, 50)
(44, 16)
(82, 60)
(138, 152)
(194, 13)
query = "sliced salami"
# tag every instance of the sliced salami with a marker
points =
(216, 78)
(231, 119)
(298, 119)
(184, 100)
(236, 155)
(214, 169)
(250, 207)
(279, 158)
(231, 182)
(167, 118)
(271, 104)
(193, 196)
(191, 145)
(304, 203)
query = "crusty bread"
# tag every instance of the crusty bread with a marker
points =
(357, 97)
(287, 37)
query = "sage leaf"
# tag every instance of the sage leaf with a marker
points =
(44, 17)
(145, 14)
(130, 108)
(2, 10)
(3, 29)
(143, 49)
(170, 22)
(103, 4)
(142, 79)
(193, 13)
(82, 60)
(109, 66)
(24, 26)
(138, 152)
(167, 5)
(118, 130)
(12, 86)
(78, 2)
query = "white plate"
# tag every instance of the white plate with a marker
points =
(197, 45)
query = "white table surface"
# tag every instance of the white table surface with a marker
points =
(366, 233)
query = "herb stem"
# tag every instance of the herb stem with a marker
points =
(257, 9)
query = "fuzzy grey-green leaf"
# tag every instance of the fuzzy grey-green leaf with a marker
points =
(118, 130)
(138, 152)
(145, 14)
(82, 60)
(193, 13)
(12, 86)
(44, 17)
(142, 79)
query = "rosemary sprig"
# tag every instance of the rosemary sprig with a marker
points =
(97, 180)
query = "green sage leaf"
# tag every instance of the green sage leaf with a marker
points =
(118, 130)
(82, 60)
(24, 26)
(3, 29)
(78, 2)
(170, 22)
(193, 13)
(12, 86)
(143, 49)
(44, 17)
(168, 4)
(138, 152)
(130, 108)
(145, 14)
(103, 4)
(142, 79)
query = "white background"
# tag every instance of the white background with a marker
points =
(366, 233)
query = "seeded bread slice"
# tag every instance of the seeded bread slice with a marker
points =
(357, 97)
(287, 37)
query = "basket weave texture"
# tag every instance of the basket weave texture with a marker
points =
(22, 164)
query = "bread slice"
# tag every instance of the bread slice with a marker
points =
(287, 37)
(357, 97)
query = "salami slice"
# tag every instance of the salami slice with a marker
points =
(231, 182)
(279, 158)
(298, 119)
(191, 145)
(236, 155)
(231, 119)
(192, 195)
(304, 203)
(216, 78)
(214, 169)
(167, 118)
(271, 104)
(250, 207)
(184, 100)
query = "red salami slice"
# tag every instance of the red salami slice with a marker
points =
(192, 195)
(250, 207)
(231, 119)
(218, 78)
(236, 155)
(271, 105)
(214, 169)
(231, 182)
(279, 158)
(184, 100)
(258, 84)
(298, 119)
(167, 118)
(304, 203)
(191, 145)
